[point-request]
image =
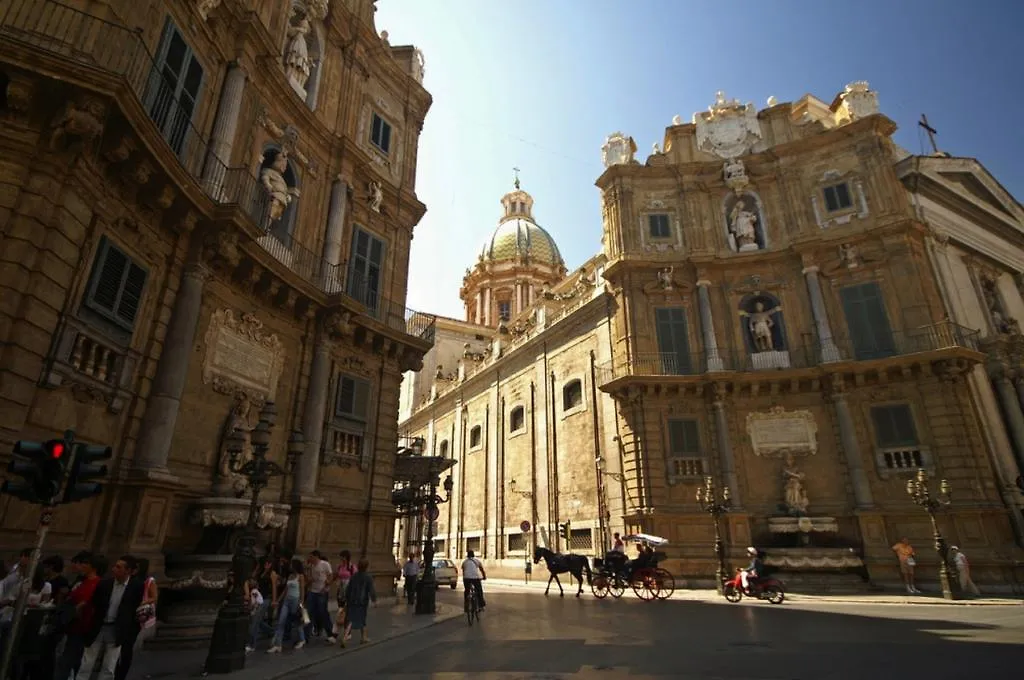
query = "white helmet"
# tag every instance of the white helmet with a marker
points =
(751, 550)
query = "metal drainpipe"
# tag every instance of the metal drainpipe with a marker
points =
(533, 459)
(602, 529)
(487, 455)
(553, 493)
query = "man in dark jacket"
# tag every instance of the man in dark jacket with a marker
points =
(115, 624)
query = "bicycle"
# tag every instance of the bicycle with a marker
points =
(472, 605)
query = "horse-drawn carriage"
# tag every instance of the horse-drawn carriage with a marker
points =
(616, 571)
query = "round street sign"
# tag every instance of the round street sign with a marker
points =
(432, 513)
(525, 526)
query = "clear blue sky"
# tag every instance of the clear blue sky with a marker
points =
(538, 84)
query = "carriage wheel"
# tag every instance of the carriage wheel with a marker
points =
(645, 586)
(617, 586)
(600, 585)
(666, 583)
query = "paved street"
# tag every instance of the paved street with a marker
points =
(524, 635)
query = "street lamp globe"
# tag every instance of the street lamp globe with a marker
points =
(417, 446)
(448, 484)
(296, 447)
(268, 413)
(261, 434)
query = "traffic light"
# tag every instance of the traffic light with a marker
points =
(85, 470)
(563, 530)
(41, 465)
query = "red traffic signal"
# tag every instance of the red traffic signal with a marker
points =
(55, 448)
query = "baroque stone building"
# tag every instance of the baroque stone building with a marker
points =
(770, 308)
(207, 206)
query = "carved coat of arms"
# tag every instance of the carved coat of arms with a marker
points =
(728, 129)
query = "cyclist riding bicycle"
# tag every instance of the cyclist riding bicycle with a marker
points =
(473, 575)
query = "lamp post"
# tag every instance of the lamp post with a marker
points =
(231, 630)
(917, 489)
(707, 497)
(512, 488)
(426, 601)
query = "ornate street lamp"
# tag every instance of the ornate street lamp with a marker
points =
(709, 503)
(512, 488)
(231, 630)
(426, 601)
(917, 489)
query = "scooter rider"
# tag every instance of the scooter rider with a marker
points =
(754, 570)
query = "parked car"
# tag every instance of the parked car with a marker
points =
(446, 573)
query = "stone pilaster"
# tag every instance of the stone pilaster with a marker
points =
(158, 422)
(726, 458)
(827, 346)
(707, 325)
(222, 140)
(308, 470)
(851, 447)
(1014, 417)
(334, 277)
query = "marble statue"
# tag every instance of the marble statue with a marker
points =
(743, 225)
(297, 64)
(238, 419)
(761, 323)
(618, 149)
(375, 196)
(848, 255)
(796, 494)
(665, 278)
(272, 178)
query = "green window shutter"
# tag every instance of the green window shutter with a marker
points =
(683, 438)
(117, 286)
(131, 294)
(894, 426)
(867, 321)
(673, 343)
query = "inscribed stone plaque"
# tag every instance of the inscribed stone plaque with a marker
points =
(240, 356)
(777, 432)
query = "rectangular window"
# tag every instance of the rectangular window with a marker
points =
(380, 134)
(581, 539)
(116, 286)
(684, 452)
(867, 322)
(837, 197)
(896, 438)
(658, 226)
(516, 542)
(353, 399)
(474, 545)
(475, 436)
(673, 343)
(442, 449)
(173, 89)
(517, 419)
(504, 310)
(366, 268)
(572, 395)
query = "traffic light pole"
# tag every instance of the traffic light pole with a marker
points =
(45, 517)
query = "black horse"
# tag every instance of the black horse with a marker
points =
(560, 564)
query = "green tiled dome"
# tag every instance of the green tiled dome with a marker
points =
(518, 238)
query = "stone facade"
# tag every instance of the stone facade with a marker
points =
(193, 226)
(775, 321)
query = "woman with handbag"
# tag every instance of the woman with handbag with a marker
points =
(290, 603)
(358, 595)
(346, 570)
(905, 553)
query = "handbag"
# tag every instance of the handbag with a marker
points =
(911, 562)
(304, 614)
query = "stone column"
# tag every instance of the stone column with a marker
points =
(313, 417)
(478, 314)
(334, 237)
(707, 325)
(851, 447)
(1012, 408)
(154, 444)
(829, 351)
(726, 459)
(218, 155)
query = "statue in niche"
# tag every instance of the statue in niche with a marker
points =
(276, 187)
(238, 419)
(848, 256)
(374, 196)
(297, 64)
(1000, 320)
(743, 226)
(760, 324)
(665, 278)
(793, 481)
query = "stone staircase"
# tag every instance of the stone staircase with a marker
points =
(824, 583)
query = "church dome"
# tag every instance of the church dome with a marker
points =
(518, 237)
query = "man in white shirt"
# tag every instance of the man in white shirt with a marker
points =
(114, 622)
(963, 571)
(318, 589)
(411, 572)
(473, 575)
(9, 585)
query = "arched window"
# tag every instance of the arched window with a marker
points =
(442, 449)
(517, 419)
(280, 184)
(475, 436)
(572, 395)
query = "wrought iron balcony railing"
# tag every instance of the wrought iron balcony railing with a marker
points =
(69, 33)
(867, 347)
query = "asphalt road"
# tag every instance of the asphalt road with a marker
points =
(524, 635)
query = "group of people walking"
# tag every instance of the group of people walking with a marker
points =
(287, 595)
(908, 561)
(95, 620)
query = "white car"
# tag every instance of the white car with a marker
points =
(446, 573)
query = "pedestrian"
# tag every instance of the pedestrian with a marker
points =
(411, 572)
(346, 570)
(473, 575)
(290, 607)
(318, 590)
(963, 571)
(265, 583)
(90, 568)
(145, 615)
(618, 546)
(905, 553)
(358, 596)
(115, 624)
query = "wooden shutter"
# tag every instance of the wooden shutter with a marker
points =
(867, 322)
(174, 87)
(683, 438)
(117, 286)
(673, 343)
(366, 268)
(894, 426)
(353, 398)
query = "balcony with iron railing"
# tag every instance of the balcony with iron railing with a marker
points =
(70, 34)
(944, 335)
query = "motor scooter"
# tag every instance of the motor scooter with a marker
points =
(763, 589)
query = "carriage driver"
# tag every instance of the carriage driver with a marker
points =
(754, 570)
